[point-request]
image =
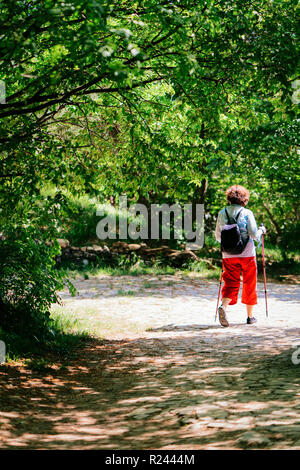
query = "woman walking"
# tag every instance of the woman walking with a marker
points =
(236, 230)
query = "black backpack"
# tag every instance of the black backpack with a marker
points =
(231, 239)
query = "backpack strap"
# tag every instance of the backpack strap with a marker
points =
(233, 218)
(238, 214)
(227, 215)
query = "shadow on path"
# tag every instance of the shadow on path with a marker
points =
(178, 392)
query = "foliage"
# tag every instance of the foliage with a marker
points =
(64, 335)
(164, 101)
(28, 282)
(80, 108)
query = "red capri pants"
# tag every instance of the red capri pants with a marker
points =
(232, 269)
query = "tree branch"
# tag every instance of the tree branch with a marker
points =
(76, 92)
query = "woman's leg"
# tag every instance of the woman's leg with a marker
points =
(226, 301)
(249, 310)
(231, 278)
(249, 294)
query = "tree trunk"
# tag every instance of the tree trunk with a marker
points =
(199, 197)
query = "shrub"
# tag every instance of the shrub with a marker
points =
(29, 283)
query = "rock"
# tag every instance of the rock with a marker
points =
(84, 249)
(97, 249)
(63, 243)
(290, 430)
(253, 439)
(134, 247)
(218, 414)
(142, 413)
(120, 244)
(91, 256)
(143, 245)
(106, 249)
(196, 427)
(184, 420)
(75, 248)
(222, 425)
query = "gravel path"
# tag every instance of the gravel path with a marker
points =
(168, 377)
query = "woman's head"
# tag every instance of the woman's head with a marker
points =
(237, 195)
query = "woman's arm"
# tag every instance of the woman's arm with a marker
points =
(253, 231)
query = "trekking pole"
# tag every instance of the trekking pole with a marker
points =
(264, 271)
(219, 294)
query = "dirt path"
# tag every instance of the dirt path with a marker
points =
(165, 376)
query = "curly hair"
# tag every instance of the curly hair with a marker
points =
(237, 195)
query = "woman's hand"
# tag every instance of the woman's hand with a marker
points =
(263, 229)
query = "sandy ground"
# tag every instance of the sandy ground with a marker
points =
(168, 378)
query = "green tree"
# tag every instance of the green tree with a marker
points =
(153, 98)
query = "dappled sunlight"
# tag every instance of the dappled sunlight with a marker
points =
(112, 307)
(145, 394)
(166, 376)
(125, 129)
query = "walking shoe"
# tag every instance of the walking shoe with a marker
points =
(251, 320)
(222, 316)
